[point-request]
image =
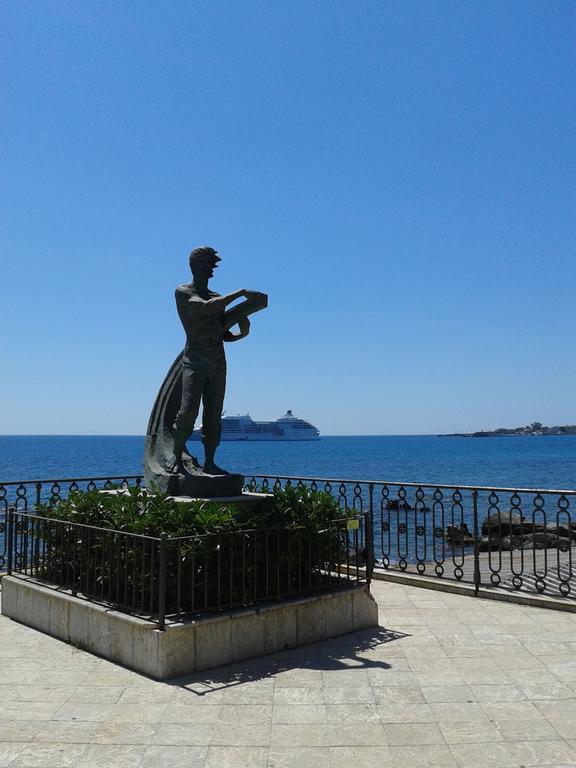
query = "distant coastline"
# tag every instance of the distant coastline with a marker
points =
(536, 429)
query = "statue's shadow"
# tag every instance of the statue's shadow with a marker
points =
(340, 653)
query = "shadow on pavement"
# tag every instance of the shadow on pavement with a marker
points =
(339, 653)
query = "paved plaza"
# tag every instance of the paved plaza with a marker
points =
(447, 680)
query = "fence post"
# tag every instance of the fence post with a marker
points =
(10, 540)
(369, 547)
(477, 578)
(162, 583)
(73, 589)
(371, 514)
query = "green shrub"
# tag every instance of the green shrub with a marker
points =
(135, 510)
(216, 554)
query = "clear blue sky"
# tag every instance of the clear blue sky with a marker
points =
(398, 176)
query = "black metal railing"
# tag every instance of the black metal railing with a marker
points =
(511, 538)
(24, 495)
(113, 567)
(164, 577)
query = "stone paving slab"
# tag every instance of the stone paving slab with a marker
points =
(447, 680)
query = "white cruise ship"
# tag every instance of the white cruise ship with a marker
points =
(287, 427)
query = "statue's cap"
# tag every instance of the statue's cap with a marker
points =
(203, 251)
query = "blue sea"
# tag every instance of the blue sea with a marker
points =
(521, 462)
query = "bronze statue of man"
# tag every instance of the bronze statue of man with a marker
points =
(207, 326)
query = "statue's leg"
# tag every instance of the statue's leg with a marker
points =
(213, 403)
(192, 384)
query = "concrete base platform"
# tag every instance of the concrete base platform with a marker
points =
(246, 498)
(193, 646)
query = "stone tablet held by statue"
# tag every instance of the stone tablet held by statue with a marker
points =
(197, 377)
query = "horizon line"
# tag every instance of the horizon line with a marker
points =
(106, 434)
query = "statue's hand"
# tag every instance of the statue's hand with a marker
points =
(251, 294)
(243, 325)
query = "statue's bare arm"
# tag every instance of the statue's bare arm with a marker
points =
(208, 306)
(254, 300)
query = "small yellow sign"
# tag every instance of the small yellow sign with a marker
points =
(352, 525)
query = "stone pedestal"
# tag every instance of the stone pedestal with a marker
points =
(242, 500)
(192, 481)
(191, 646)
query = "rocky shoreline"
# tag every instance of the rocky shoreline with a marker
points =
(503, 531)
(507, 532)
